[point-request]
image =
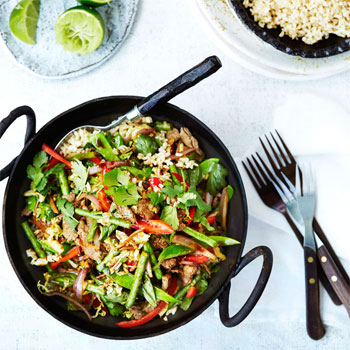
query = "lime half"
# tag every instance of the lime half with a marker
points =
(80, 30)
(94, 3)
(24, 20)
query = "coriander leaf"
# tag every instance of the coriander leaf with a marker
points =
(169, 215)
(156, 198)
(42, 184)
(35, 174)
(173, 191)
(116, 177)
(230, 192)
(124, 195)
(186, 197)
(143, 173)
(67, 209)
(80, 175)
(193, 198)
(145, 144)
(207, 165)
(46, 212)
(217, 179)
(40, 159)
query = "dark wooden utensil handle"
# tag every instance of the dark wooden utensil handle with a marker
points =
(186, 80)
(334, 276)
(314, 324)
(322, 236)
(323, 278)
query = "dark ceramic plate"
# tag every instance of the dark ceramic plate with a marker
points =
(334, 45)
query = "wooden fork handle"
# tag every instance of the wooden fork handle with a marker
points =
(334, 276)
(314, 324)
(322, 276)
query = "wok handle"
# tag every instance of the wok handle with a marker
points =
(30, 132)
(256, 293)
(186, 80)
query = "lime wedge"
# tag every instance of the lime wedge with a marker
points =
(24, 20)
(94, 3)
(80, 30)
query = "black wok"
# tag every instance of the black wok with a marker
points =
(101, 112)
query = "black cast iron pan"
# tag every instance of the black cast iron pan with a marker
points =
(101, 112)
(324, 48)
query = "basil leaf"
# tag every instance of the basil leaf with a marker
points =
(169, 215)
(230, 192)
(172, 251)
(156, 198)
(148, 291)
(217, 179)
(207, 165)
(145, 144)
(195, 176)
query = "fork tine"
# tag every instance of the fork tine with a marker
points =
(255, 172)
(255, 183)
(262, 172)
(268, 155)
(280, 150)
(290, 155)
(277, 157)
(268, 171)
(298, 184)
(292, 188)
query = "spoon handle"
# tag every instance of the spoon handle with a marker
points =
(186, 80)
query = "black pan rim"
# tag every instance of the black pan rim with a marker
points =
(219, 289)
(264, 34)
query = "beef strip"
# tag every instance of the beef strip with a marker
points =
(126, 213)
(173, 135)
(169, 263)
(187, 273)
(187, 138)
(92, 250)
(181, 214)
(143, 209)
(68, 233)
(136, 311)
(158, 242)
(69, 197)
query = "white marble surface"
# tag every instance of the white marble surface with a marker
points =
(239, 106)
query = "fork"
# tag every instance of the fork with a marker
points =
(283, 162)
(328, 265)
(262, 183)
(306, 199)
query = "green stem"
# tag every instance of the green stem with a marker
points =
(200, 236)
(98, 216)
(156, 269)
(95, 289)
(92, 231)
(36, 245)
(81, 156)
(62, 179)
(172, 169)
(141, 266)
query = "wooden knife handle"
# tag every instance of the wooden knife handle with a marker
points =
(334, 276)
(314, 324)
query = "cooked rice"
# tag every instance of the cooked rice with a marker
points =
(310, 20)
(76, 142)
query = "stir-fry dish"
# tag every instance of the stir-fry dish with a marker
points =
(128, 223)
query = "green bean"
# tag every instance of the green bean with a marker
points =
(36, 245)
(118, 140)
(47, 247)
(92, 231)
(102, 146)
(141, 266)
(65, 279)
(222, 240)
(200, 236)
(156, 269)
(98, 216)
(163, 295)
(186, 303)
(113, 252)
(62, 179)
(172, 169)
(81, 156)
(95, 289)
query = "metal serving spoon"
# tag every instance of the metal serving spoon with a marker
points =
(188, 79)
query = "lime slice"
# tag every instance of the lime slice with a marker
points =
(24, 20)
(80, 30)
(94, 3)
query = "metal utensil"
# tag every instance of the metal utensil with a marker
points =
(186, 80)
(261, 180)
(282, 161)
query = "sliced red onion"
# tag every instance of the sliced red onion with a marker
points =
(184, 262)
(182, 154)
(208, 198)
(92, 199)
(72, 300)
(146, 131)
(223, 208)
(93, 170)
(78, 285)
(109, 165)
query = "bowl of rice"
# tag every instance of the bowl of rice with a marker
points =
(305, 28)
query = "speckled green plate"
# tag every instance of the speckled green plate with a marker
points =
(47, 58)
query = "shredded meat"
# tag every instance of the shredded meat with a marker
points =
(187, 138)
(25, 212)
(166, 281)
(158, 242)
(92, 250)
(68, 233)
(136, 312)
(70, 197)
(126, 213)
(173, 135)
(146, 308)
(169, 263)
(186, 273)
(143, 209)
(216, 200)
(181, 214)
